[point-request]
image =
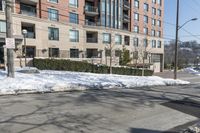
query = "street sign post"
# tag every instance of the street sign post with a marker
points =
(10, 43)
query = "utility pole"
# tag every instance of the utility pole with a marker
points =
(176, 43)
(111, 56)
(9, 34)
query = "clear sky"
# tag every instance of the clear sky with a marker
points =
(188, 9)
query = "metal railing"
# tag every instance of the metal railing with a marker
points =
(89, 8)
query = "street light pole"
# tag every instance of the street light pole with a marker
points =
(176, 43)
(24, 32)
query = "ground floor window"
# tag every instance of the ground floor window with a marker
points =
(30, 51)
(53, 52)
(92, 53)
(74, 53)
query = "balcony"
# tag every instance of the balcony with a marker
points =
(126, 18)
(28, 10)
(126, 5)
(91, 10)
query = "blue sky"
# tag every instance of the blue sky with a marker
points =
(188, 9)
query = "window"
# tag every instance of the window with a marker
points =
(2, 26)
(118, 39)
(159, 23)
(136, 29)
(27, 9)
(146, 19)
(154, 1)
(53, 1)
(74, 35)
(118, 53)
(106, 38)
(136, 4)
(74, 53)
(145, 30)
(145, 43)
(159, 2)
(158, 33)
(135, 41)
(30, 28)
(136, 16)
(146, 7)
(135, 55)
(53, 14)
(153, 22)
(73, 3)
(159, 12)
(153, 33)
(159, 44)
(30, 51)
(53, 52)
(153, 43)
(107, 52)
(73, 18)
(127, 40)
(153, 11)
(53, 33)
(92, 53)
(2, 5)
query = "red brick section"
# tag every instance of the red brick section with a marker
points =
(149, 14)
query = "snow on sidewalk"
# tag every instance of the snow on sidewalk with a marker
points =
(52, 81)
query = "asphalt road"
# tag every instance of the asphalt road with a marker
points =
(137, 110)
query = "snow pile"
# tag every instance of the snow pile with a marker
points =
(51, 81)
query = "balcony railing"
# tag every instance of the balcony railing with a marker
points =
(30, 35)
(126, 18)
(126, 4)
(91, 10)
(92, 40)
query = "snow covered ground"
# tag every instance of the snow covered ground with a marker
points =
(52, 81)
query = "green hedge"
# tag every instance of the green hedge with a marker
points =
(68, 65)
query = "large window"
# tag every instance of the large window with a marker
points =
(73, 18)
(159, 12)
(118, 39)
(2, 26)
(136, 29)
(53, 33)
(74, 53)
(153, 43)
(53, 14)
(145, 30)
(136, 16)
(74, 35)
(153, 32)
(153, 22)
(30, 51)
(153, 11)
(73, 3)
(145, 19)
(145, 42)
(146, 7)
(53, 52)
(135, 41)
(106, 38)
(159, 23)
(136, 3)
(159, 44)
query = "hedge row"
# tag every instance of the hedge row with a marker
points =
(68, 65)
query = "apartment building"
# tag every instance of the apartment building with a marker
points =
(92, 30)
